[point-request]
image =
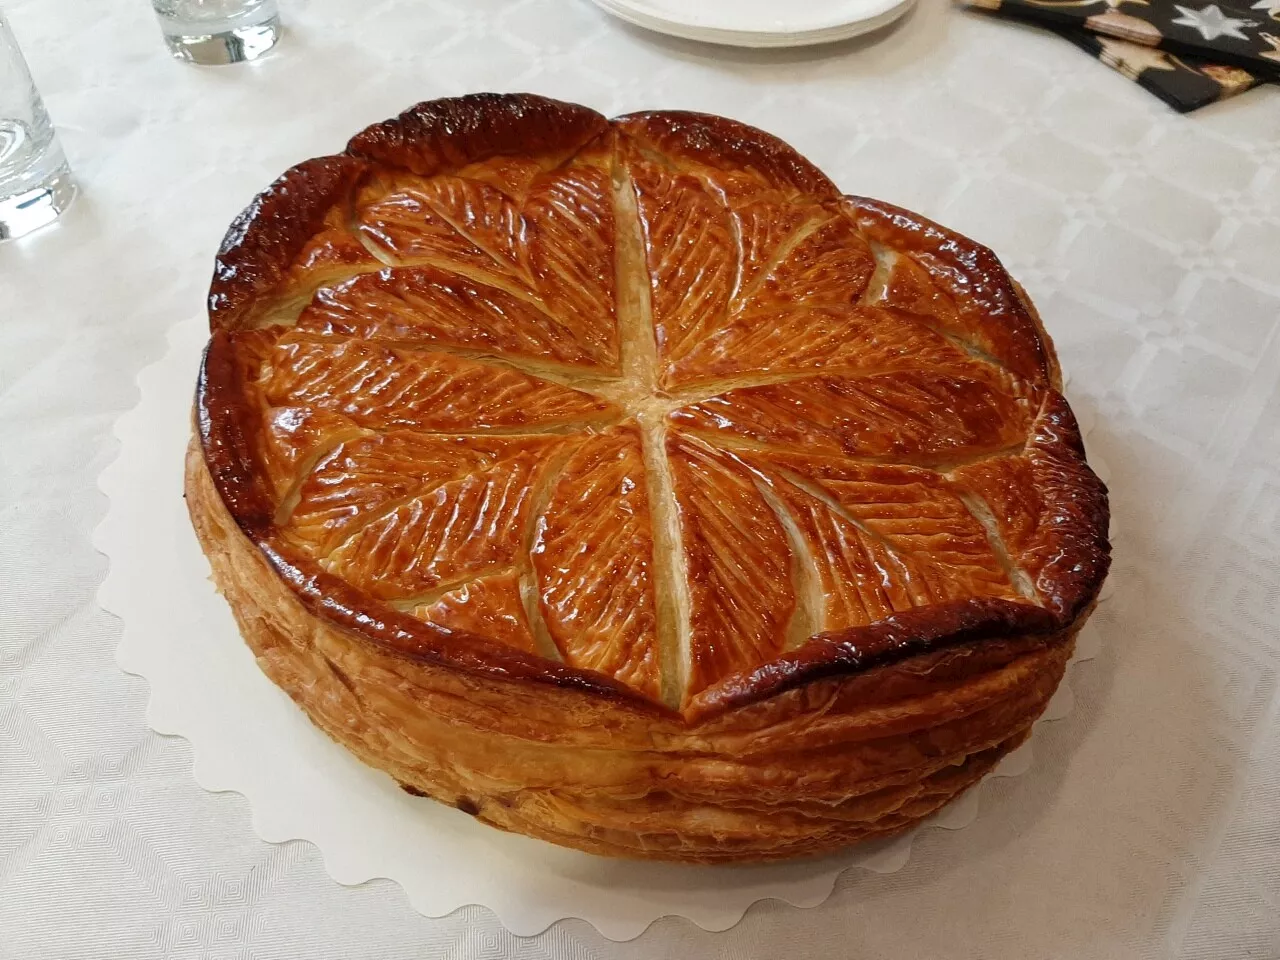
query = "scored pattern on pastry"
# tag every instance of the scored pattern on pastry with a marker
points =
(631, 411)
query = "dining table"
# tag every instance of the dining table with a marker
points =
(1148, 823)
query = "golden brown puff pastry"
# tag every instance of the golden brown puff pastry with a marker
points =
(623, 484)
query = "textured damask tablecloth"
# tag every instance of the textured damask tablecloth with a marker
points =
(1149, 825)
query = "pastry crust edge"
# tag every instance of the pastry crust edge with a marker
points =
(808, 770)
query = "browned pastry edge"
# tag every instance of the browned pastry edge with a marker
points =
(977, 268)
(269, 234)
(720, 142)
(812, 769)
(439, 136)
(434, 137)
(273, 229)
(1042, 335)
(1077, 532)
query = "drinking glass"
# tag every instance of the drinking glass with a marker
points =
(218, 31)
(35, 181)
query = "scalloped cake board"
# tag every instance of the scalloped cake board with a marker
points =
(247, 736)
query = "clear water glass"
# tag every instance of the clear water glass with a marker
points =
(35, 181)
(218, 31)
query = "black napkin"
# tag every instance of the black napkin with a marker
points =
(1188, 55)
(1241, 36)
(1185, 83)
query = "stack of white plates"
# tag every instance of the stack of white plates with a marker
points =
(759, 23)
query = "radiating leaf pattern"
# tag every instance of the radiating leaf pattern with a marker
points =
(488, 607)
(1008, 486)
(380, 386)
(294, 437)
(956, 285)
(911, 288)
(884, 538)
(691, 256)
(912, 416)
(511, 175)
(764, 223)
(482, 214)
(1042, 505)
(728, 255)
(544, 235)
(739, 565)
(332, 253)
(813, 339)
(451, 533)
(829, 266)
(594, 557)
(404, 226)
(569, 230)
(362, 479)
(427, 303)
(800, 429)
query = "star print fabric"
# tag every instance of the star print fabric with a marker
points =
(1188, 54)
(1185, 83)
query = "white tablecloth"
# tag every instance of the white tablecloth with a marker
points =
(1150, 824)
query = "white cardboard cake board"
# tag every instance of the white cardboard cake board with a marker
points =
(248, 736)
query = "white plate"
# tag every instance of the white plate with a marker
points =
(759, 23)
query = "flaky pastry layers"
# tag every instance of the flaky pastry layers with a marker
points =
(623, 484)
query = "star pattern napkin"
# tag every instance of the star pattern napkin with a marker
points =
(1242, 36)
(1187, 54)
(1185, 83)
